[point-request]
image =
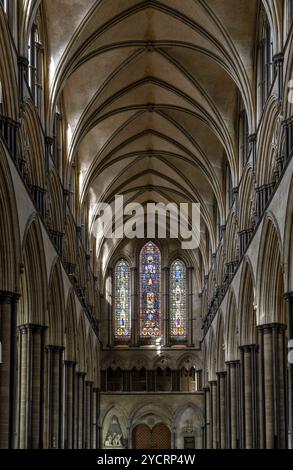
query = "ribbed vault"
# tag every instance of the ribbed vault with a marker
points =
(149, 90)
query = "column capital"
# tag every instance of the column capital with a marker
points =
(234, 363)
(34, 328)
(252, 138)
(288, 295)
(69, 363)
(80, 374)
(278, 58)
(271, 326)
(89, 383)
(7, 297)
(21, 60)
(53, 348)
(212, 382)
(249, 347)
(49, 140)
(96, 390)
(221, 374)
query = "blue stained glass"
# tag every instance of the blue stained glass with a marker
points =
(150, 291)
(178, 299)
(122, 316)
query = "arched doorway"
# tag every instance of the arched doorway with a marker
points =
(159, 437)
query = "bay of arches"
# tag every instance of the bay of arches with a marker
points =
(147, 309)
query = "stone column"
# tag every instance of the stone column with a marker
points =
(289, 298)
(273, 400)
(31, 386)
(69, 404)
(233, 404)
(89, 414)
(249, 371)
(8, 380)
(214, 414)
(75, 409)
(222, 421)
(166, 326)
(207, 401)
(95, 418)
(80, 377)
(134, 308)
(54, 398)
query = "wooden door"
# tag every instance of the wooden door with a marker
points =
(157, 438)
(141, 437)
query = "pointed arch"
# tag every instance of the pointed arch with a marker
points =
(9, 229)
(231, 328)
(220, 267)
(32, 147)
(55, 203)
(266, 149)
(81, 344)
(33, 302)
(69, 245)
(211, 356)
(220, 344)
(8, 73)
(288, 242)
(56, 307)
(247, 201)
(247, 315)
(71, 328)
(232, 239)
(270, 289)
(90, 357)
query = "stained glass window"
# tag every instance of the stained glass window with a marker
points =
(150, 291)
(122, 317)
(178, 299)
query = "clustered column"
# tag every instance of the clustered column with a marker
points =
(54, 388)
(233, 389)
(80, 411)
(273, 399)
(8, 301)
(221, 409)
(213, 414)
(289, 298)
(88, 414)
(70, 367)
(207, 411)
(31, 363)
(249, 398)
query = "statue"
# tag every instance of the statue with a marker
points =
(117, 440)
(109, 440)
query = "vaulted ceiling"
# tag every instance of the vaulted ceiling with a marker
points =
(149, 91)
